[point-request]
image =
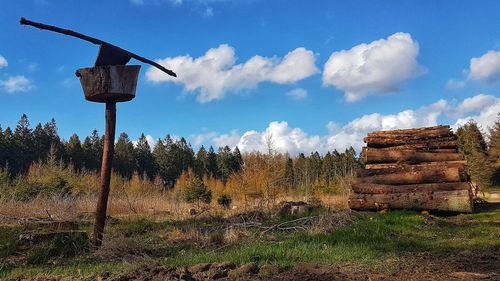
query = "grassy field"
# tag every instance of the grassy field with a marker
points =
(378, 242)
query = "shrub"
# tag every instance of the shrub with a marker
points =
(225, 201)
(196, 191)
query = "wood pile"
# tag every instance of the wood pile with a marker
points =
(412, 169)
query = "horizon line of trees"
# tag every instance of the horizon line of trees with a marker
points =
(164, 163)
(169, 158)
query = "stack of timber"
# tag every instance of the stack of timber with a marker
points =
(412, 169)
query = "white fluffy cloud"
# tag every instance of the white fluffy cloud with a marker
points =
(216, 72)
(3, 62)
(378, 67)
(484, 109)
(485, 68)
(281, 137)
(297, 94)
(15, 84)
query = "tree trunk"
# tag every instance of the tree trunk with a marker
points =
(107, 162)
(409, 141)
(397, 169)
(416, 177)
(429, 132)
(374, 155)
(458, 163)
(370, 188)
(455, 201)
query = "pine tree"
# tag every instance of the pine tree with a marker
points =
(160, 158)
(124, 159)
(494, 151)
(201, 163)
(22, 146)
(224, 163)
(92, 151)
(144, 158)
(471, 143)
(212, 169)
(237, 162)
(74, 152)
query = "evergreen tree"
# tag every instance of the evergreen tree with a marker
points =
(160, 158)
(92, 151)
(237, 162)
(74, 152)
(124, 159)
(144, 158)
(22, 146)
(494, 152)
(225, 163)
(212, 169)
(201, 163)
(471, 143)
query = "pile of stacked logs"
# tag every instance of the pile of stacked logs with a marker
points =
(412, 169)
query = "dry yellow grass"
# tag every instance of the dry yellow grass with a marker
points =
(156, 205)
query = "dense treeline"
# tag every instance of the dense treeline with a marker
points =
(165, 162)
(170, 158)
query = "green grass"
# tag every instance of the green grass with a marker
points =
(371, 240)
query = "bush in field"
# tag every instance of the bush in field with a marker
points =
(196, 191)
(225, 201)
(41, 180)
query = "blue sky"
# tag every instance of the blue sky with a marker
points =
(309, 75)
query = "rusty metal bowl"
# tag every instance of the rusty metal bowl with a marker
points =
(109, 82)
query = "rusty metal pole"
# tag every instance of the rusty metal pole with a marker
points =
(107, 162)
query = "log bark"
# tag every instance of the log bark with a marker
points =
(454, 201)
(416, 177)
(458, 163)
(391, 141)
(424, 146)
(437, 131)
(405, 168)
(374, 155)
(388, 189)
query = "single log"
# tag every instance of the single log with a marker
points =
(455, 201)
(458, 163)
(406, 168)
(387, 189)
(416, 177)
(429, 145)
(442, 142)
(438, 131)
(373, 155)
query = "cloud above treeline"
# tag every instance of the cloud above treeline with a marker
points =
(484, 69)
(216, 73)
(280, 136)
(366, 69)
(14, 84)
(377, 67)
